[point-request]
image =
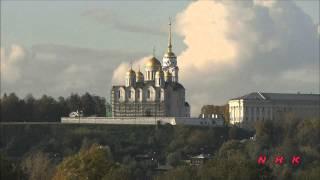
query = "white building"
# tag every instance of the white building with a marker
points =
(256, 106)
(157, 92)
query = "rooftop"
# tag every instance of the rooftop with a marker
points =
(279, 96)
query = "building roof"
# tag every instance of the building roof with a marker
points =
(202, 156)
(174, 85)
(279, 96)
(153, 62)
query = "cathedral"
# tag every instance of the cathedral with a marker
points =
(156, 92)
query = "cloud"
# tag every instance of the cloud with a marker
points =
(12, 63)
(236, 47)
(110, 17)
(118, 76)
(265, 3)
(59, 70)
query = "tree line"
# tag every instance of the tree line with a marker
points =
(112, 152)
(47, 108)
(208, 110)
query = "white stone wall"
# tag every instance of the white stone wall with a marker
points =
(145, 121)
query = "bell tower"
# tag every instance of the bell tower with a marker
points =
(170, 59)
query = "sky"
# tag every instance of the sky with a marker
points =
(225, 49)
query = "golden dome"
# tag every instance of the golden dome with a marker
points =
(159, 72)
(167, 74)
(169, 54)
(139, 74)
(130, 72)
(153, 62)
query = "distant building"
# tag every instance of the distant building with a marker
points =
(199, 159)
(256, 106)
(157, 92)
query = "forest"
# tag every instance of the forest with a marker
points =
(137, 152)
(49, 109)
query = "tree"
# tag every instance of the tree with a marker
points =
(223, 110)
(174, 158)
(29, 108)
(235, 167)
(93, 163)
(88, 105)
(8, 169)
(11, 108)
(38, 166)
(74, 102)
(185, 173)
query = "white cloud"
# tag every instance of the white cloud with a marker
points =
(235, 47)
(266, 3)
(118, 76)
(59, 70)
(12, 63)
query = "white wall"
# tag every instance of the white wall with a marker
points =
(144, 121)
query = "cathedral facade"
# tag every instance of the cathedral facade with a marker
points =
(156, 92)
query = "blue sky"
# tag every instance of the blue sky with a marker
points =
(65, 22)
(69, 23)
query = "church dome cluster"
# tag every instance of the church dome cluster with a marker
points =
(155, 89)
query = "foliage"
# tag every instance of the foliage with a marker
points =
(38, 166)
(9, 169)
(234, 154)
(93, 163)
(208, 110)
(48, 109)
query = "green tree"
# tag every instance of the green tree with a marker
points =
(38, 166)
(11, 108)
(88, 105)
(9, 170)
(235, 167)
(183, 172)
(93, 163)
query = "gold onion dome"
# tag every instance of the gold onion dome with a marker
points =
(139, 74)
(169, 54)
(160, 72)
(153, 62)
(131, 72)
(167, 74)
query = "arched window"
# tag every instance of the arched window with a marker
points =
(122, 94)
(162, 95)
(148, 94)
(139, 94)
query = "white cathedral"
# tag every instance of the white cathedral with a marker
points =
(157, 92)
